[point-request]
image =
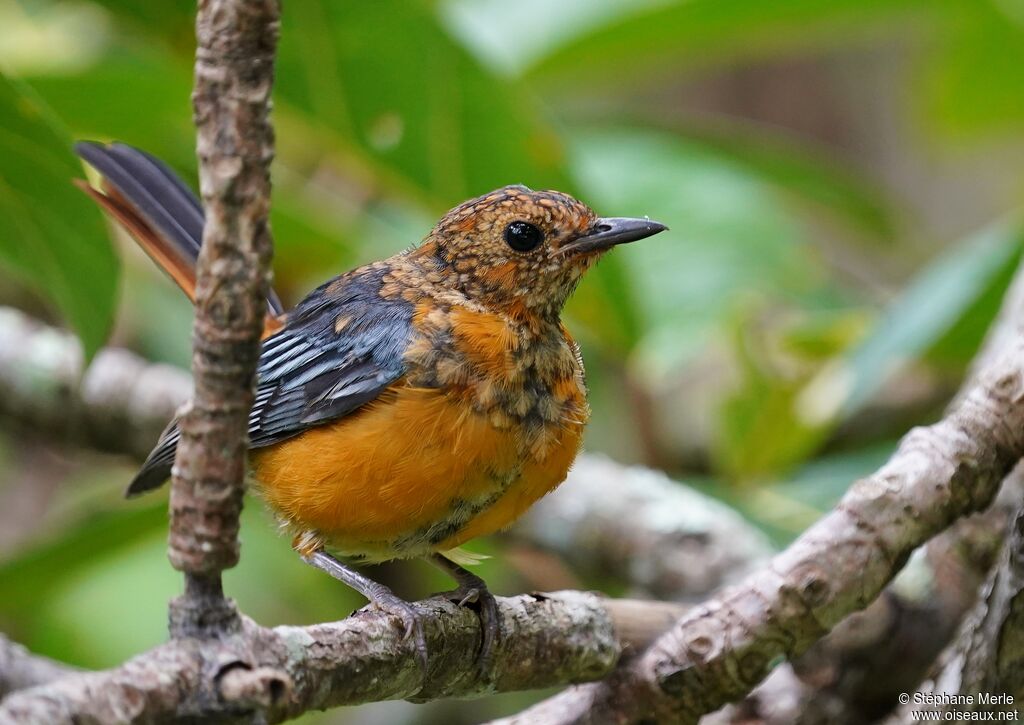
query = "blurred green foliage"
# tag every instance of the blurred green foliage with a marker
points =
(753, 348)
(65, 255)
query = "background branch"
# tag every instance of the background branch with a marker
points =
(676, 544)
(856, 672)
(854, 675)
(120, 404)
(20, 669)
(985, 656)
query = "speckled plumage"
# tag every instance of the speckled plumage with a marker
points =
(490, 389)
(414, 403)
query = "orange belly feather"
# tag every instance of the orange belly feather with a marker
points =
(415, 471)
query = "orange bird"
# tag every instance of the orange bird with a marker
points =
(412, 404)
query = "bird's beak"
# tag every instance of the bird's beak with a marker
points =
(608, 232)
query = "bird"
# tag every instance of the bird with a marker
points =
(409, 405)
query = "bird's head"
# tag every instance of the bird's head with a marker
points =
(523, 249)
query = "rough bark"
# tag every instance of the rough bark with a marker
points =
(992, 649)
(719, 651)
(987, 656)
(279, 673)
(234, 68)
(856, 673)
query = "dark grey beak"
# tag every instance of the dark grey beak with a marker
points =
(608, 232)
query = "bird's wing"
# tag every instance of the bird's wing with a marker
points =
(339, 349)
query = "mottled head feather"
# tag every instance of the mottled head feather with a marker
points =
(469, 248)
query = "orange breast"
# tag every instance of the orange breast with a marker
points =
(538, 478)
(388, 472)
(424, 469)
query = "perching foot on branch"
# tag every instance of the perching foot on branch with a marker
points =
(379, 595)
(474, 589)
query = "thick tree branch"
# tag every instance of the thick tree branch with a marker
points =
(986, 656)
(282, 672)
(990, 650)
(855, 674)
(964, 664)
(722, 649)
(234, 70)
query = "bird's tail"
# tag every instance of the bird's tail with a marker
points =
(159, 211)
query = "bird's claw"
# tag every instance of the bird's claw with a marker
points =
(490, 625)
(471, 595)
(413, 628)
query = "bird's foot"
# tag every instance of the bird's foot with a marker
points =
(472, 590)
(413, 622)
(381, 597)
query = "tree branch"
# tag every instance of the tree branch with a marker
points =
(236, 43)
(722, 649)
(986, 655)
(855, 674)
(282, 672)
(119, 405)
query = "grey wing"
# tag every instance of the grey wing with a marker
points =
(340, 348)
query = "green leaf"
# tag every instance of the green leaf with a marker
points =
(972, 83)
(760, 431)
(136, 95)
(51, 234)
(804, 174)
(935, 305)
(385, 77)
(30, 577)
(666, 36)
(787, 508)
(728, 239)
(507, 36)
(155, 115)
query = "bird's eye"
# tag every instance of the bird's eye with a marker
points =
(523, 236)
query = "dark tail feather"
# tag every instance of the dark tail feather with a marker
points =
(166, 219)
(157, 468)
(158, 209)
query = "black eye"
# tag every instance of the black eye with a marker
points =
(523, 236)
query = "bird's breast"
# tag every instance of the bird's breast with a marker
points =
(487, 420)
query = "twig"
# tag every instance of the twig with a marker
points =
(234, 70)
(282, 672)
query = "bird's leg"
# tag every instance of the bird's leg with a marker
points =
(474, 589)
(379, 595)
